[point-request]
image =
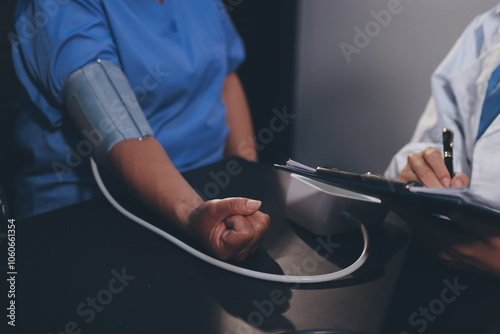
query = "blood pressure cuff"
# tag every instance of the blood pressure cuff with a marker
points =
(104, 107)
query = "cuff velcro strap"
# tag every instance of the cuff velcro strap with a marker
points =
(104, 108)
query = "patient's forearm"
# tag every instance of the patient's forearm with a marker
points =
(240, 140)
(146, 168)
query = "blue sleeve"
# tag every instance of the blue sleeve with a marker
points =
(55, 39)
(235, 47)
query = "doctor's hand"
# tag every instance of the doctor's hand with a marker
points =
(428, 168)
(464, 241)
(231, 228)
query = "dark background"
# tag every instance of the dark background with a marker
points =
(268, 31)
(8, 93)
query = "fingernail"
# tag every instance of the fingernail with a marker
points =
(446, 182)
(457, 183)
(253, 204)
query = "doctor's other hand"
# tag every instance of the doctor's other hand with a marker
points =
(231, 228)
(463, 241)
(428, 168)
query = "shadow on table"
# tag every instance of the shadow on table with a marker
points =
(386, 240)
(261, 304)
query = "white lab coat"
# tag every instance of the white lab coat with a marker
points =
(459, 87)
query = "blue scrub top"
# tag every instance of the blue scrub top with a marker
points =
(176, 56)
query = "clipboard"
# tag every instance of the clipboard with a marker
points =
(435, 201)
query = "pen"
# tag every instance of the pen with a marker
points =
(448, 150)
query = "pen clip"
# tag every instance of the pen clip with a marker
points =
(448, 142)
(448, 150)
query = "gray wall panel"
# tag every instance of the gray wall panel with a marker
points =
(357, 115)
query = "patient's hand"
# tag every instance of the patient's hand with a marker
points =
(231, 228)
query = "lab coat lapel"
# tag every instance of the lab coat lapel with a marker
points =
(485, 163)
(469, 89)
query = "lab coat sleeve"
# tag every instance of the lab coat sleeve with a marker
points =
(74, 35)
(425, 135)
(442, 110)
